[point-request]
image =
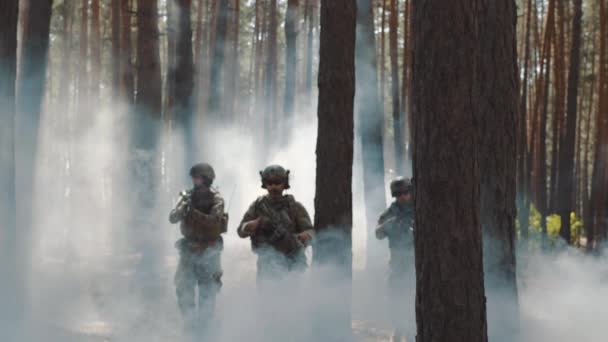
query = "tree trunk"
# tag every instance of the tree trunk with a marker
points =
(382, 54)
(541, 107)
(149, 89)
(522, 134)
(83, 73)
(398, 122)
(95, 53)
(599, 182)
(270, 86)
(559, 83)
(184, 79)
(333, 194)
(30, 96)
(217, 63)
(450, 295)
(126, 65)
(10, 294)
(497, 161)
(309, 48)
(370, 121)
(291, 54)
(566, 168)
(115, 48)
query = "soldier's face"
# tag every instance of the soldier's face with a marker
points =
(404, 197)
(198, 181)
(275, 187)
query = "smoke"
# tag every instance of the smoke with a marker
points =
(89, 279)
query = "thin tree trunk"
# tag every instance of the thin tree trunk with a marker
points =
(522, 136)
(116, 48)
(566, 183)
(30, 96)
(291, 54)
(10, 294)
(599, 181)
(309, 54)
(184, 79)
(370, 120)
(586, 211)
(270, 86)
(126, 65)
(497, 161)
(559, 73)
(382, 54)
(333, 194)
(217, 63)
(83, 74)
(449, 268)
(95, 53)
(398, 122)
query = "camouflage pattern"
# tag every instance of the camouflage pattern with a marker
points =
(272, 259)
(202, 221)
(397, 224)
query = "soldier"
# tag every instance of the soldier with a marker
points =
(396, 223)
(200, 212)
(279, 227)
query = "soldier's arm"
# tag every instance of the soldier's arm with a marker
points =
(304, 226)
(214, 221)
(248, 219)
(383, 222)
(175, 216)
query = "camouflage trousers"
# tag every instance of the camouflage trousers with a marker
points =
(402, 292)
(202, 268)
(273, 265)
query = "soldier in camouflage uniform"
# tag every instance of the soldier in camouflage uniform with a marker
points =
(200, 212)
(279, 227)
(396, 223)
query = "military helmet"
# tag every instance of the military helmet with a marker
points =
(203, 170)
(400, 185)
(275, 171)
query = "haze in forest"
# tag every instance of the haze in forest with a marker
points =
(99, 265)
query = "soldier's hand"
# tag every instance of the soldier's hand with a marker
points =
(251, 226)
(305, 237)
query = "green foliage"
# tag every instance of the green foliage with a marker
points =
(554, 223)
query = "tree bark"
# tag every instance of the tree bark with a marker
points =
(83, 73)
(398, 122)
(10, 295)
(95, 53)
(309, 54)
(522, 135)
(566, 170)
(599, 181)
(370, 121)
(270, 85)
(450, 295)
(333, 194)
(217, 64)
(291, 35)
(184, 79)
(497, 162)
(116, 19)
(126, 64)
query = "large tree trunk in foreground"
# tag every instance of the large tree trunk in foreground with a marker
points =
(450, 295)
(333, 195)
(497, 162)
